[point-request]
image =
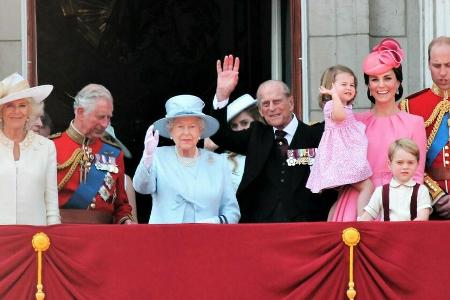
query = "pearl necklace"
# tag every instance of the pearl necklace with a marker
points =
(187, 161)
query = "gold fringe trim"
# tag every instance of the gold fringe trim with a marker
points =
(438, 113)
(73, 162)
(351, 237)
(40, 243)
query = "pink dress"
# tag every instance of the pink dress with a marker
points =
(342, 154)
(381, 132)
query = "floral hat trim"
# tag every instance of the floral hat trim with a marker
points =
(385, 56)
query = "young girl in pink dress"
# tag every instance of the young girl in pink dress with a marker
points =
(385, 123)
(342, 154)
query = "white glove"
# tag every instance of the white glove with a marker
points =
(150, 143)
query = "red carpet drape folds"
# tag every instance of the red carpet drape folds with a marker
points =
(396, 260)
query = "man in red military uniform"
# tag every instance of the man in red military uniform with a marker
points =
(90, 164)
(433, 105)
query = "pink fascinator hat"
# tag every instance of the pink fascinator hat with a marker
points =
(385, 56)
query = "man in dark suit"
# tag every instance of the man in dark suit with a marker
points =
(273, 185)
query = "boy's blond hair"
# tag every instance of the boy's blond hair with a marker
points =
(407, 145)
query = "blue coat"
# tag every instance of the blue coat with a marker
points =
(188, 194)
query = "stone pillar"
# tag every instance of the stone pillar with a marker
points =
(338, 33)
(10, 38)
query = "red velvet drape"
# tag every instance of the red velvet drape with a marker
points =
(395, 260)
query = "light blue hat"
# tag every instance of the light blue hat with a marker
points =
(110, 130)
(186, 106)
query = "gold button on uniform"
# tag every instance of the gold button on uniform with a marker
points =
(92, 205)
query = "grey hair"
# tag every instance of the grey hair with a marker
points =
(284, 87)
(36, 111)
(170, 123)
(88, 96)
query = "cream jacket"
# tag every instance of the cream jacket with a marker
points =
(28, 186)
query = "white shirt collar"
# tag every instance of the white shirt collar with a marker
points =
(394, 183)
(290, 129)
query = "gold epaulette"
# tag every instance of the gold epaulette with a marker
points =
(109, 140)
(55, 135)
(433, 188)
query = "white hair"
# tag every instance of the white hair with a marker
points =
(88, 96)
(171, 122)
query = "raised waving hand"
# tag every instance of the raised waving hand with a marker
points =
(150, 142)
(227, 76)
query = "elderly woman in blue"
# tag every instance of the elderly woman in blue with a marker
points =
(188, 184)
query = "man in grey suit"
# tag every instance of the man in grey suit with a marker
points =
(279, 154)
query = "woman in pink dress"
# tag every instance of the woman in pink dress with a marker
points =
(342, 153)
(385, 122)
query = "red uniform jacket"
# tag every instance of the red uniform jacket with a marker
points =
(429, 103)
(111, 196)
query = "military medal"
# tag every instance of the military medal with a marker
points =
(311, 156)
(114, 196)
(85, 163)
(300, 156)
(109, 181)
(112, 166)
(104, 193)
(291, 158)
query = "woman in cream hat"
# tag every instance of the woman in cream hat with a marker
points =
(188, 184)
(240, 114)
(384, 123)
(28, 160)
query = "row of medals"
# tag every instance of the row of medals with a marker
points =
(103, 162)
(300, 157)
(106, 163)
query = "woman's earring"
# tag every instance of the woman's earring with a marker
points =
(25, 127)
